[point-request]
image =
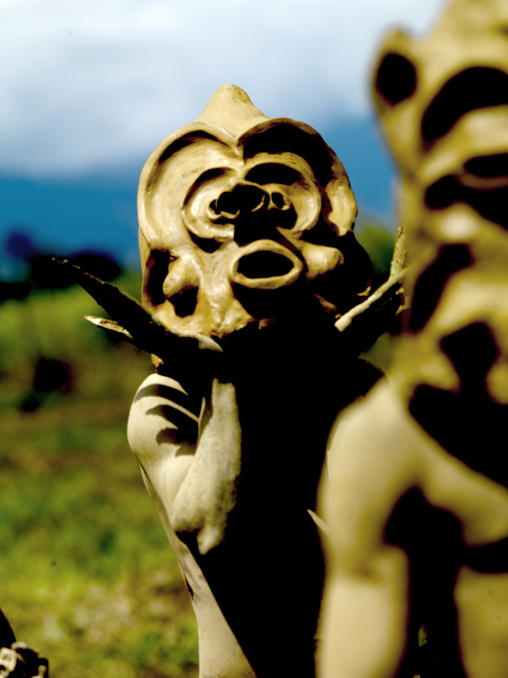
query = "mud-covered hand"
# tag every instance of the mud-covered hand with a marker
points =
(189, 446)
(22, 661)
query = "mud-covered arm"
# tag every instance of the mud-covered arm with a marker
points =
(376, 454)
(22, 661)
(363, 623)
(189, 449)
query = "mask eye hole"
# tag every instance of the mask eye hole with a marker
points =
(396, 78)
(488, 166)
(222, 211)
(273, 173)
(226, 204)
(214, 210)
(474, 88)
(279, 201)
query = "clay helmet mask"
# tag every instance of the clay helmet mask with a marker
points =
(240, 213)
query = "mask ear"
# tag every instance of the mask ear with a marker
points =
(395, 76)
(352, 277)
(343, 207)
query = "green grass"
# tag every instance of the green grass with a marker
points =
(87, 573)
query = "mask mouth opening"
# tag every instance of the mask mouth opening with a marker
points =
(265, 265)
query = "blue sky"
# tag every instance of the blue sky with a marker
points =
(88, 88)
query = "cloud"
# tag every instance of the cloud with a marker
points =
(91, 83)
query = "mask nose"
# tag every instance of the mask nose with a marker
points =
(241, 202)
(254, 212)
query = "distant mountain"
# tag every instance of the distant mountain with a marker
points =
(63, 215)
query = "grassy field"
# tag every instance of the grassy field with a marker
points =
(87, 574)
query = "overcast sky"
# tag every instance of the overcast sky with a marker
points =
(91, 83)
